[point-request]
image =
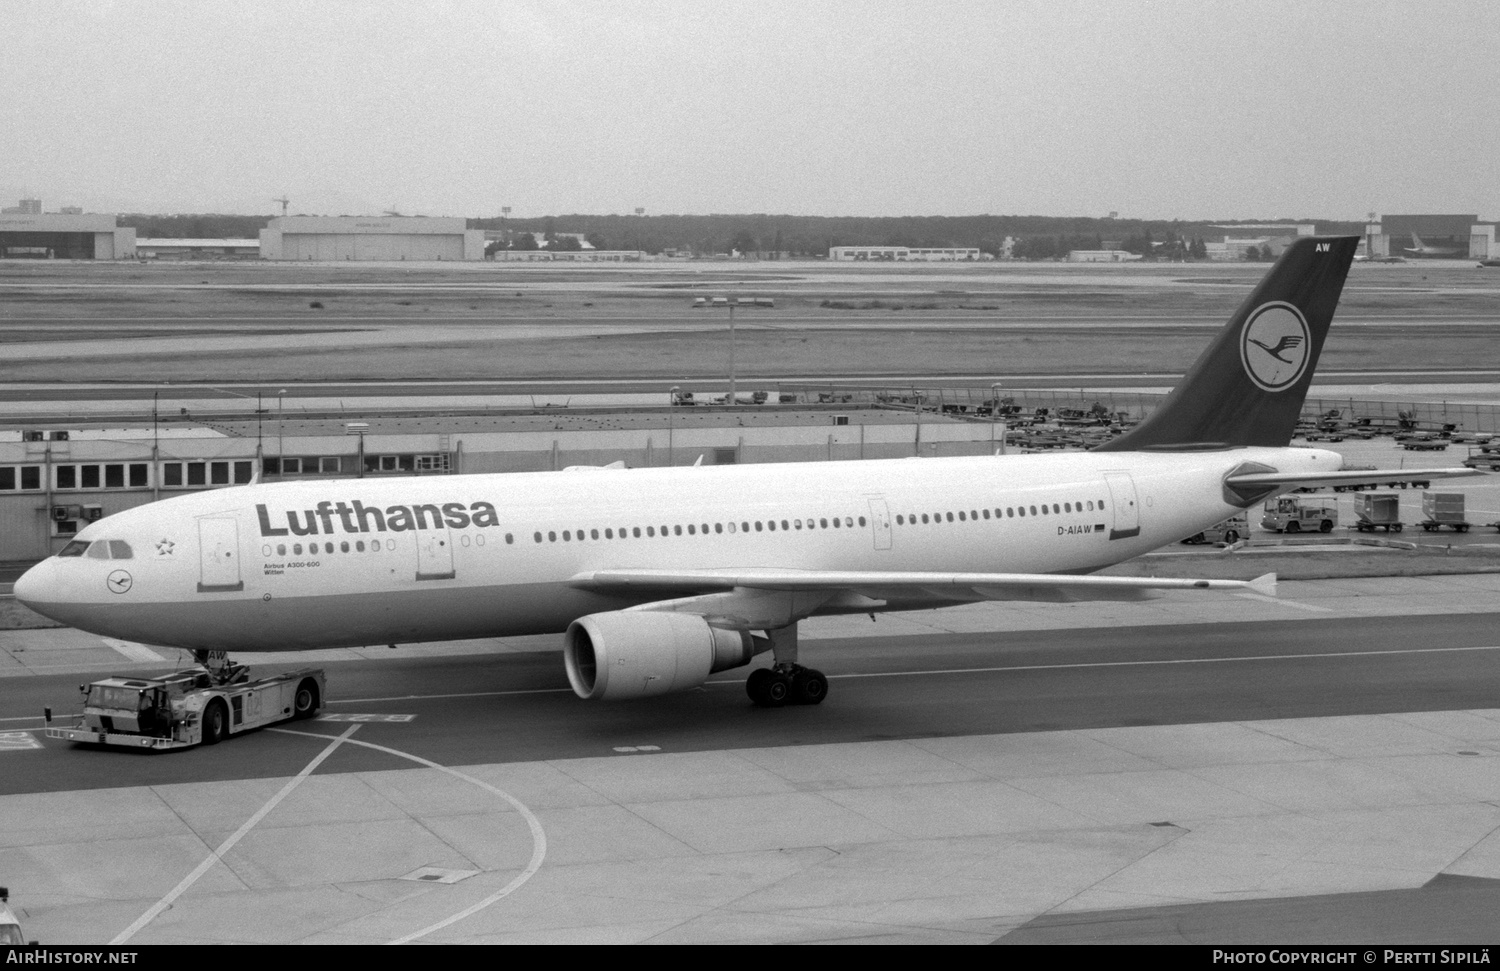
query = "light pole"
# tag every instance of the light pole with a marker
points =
(995, 416)
(732, 399)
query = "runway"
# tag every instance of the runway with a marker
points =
(975, 773)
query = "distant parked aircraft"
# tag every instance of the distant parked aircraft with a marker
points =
(1422, 249)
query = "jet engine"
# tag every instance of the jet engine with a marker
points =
(640, 653)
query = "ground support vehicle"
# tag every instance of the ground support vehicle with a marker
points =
(1290, 514)
(1488, 457)
(1441, 509)
(1229, 532)
(10, 928)
(1377, 510)
(188, 708)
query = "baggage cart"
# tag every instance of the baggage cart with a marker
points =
(1377, 510)
(1441, 509)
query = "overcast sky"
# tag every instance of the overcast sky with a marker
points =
(884, 107)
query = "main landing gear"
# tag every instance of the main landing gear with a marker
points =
(786, 682)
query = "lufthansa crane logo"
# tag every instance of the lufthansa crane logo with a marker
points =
(1274, 346)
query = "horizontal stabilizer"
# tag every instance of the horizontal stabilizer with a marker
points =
(1248, 482)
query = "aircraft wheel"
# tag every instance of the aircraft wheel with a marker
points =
(809, 687)
(766, 688)
(215, 722)
(305, 703)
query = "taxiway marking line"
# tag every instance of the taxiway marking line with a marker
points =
(983, 670)
(218, 855)
(538, 835)
(1283, 602)
(1184, 660)
(132, 650)
(461, 694)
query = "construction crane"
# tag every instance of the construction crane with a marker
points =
(284, 203)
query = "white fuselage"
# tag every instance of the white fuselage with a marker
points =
(364, 561)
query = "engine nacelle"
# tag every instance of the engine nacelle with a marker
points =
(641, 653)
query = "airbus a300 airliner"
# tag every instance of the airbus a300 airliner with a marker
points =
(659, 577)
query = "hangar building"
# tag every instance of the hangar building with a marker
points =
(393, 238)
(65, 236)
(1453, 237)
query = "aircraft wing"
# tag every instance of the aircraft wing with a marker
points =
(1247, 482)
(876, 585)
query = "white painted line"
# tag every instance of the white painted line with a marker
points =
(1131, 664)
(464, 694)
(1281, 602)
(132, 650)
(538, 835)
(217, 855)
(18, 742)
(365, 718)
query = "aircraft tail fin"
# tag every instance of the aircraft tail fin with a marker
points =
(1247, 388)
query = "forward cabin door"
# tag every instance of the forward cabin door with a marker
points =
(1126, 513)
(219, 555)
(880, 521)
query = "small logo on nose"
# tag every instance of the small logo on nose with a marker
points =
(118, 582)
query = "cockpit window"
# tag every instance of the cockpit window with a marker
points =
(102, 549)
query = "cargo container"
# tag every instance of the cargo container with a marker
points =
(1441, 509)
(1377, 510)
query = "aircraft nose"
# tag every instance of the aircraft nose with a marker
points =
(31, 585)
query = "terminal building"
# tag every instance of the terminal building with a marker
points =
(55, 482)
(386, 238)
(1454, 237)
(64, 236)
(899, 254)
